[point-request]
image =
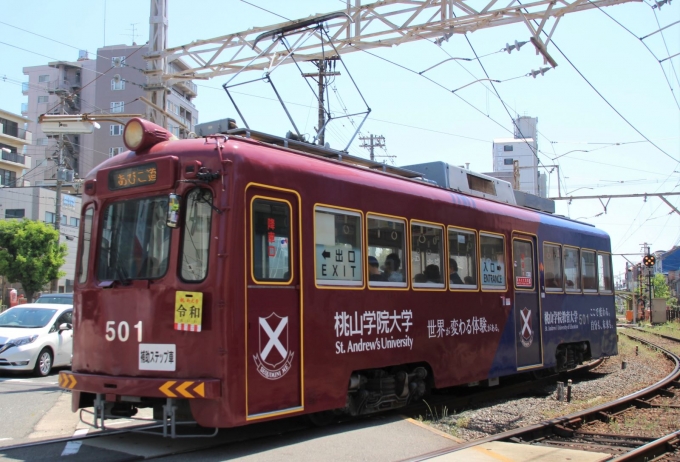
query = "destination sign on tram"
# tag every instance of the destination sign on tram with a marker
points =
(140, 175)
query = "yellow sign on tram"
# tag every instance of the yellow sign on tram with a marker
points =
(188, 311)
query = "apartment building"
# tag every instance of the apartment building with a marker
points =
(39, 204)
(14, 146)
(111, 83)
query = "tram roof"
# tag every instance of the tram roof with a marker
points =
(323, 151)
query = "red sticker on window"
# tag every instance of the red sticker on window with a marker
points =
(272, 251)
(523, 281)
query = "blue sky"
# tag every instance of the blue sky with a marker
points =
(422, 122)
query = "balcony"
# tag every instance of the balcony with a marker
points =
(24, 108)
(16, 134)
(188, 87)
(14, 157)
(59, 87)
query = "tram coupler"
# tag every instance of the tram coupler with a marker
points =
(170, 411)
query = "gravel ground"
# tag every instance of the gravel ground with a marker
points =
(608, 382)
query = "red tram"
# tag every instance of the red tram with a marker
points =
(234, 278)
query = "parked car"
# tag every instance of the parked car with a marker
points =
(61, 299)
(37, 337)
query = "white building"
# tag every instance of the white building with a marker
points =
(524, 149)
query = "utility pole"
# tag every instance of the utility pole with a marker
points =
(323, 71)
(650, 270)
(371, 142)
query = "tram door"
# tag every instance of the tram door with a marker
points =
(273, 305)
(527, 302)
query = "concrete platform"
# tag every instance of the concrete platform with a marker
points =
(388, 438)
(511, 452)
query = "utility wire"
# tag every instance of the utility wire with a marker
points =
(648, 49)
(53, 40)
(605, 99)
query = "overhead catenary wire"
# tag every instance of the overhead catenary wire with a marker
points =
(603, 98)
(641, 39)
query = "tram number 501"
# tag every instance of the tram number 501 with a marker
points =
(122, 332)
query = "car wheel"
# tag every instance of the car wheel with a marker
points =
(43, 365)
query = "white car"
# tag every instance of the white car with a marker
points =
(36, 337)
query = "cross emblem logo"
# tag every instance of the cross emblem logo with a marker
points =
(274, 359)
(273, 341)
(526, 332)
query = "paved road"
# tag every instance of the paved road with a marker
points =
(25, 400)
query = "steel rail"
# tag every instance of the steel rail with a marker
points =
(560, 425)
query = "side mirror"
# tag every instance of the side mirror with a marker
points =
(65, 326)
(173, 210)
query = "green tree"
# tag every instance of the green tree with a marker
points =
(660, 286)
(30, 253)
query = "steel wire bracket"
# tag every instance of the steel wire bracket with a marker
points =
(303, 30)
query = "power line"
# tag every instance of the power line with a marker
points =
(605, 99)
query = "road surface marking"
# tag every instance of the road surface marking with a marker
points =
(72, 447)
(80, 432)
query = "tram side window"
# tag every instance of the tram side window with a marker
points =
(196, 239)
(604, 272)
(85, 247)
(462, 259)
(552, 262)
(338, 247)
(427, 255)
(589, 271)
(271, 240)
(523, 264)
(386, 251)
(572, 269)
(492, 261)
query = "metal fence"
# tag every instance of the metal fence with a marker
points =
(673, 315)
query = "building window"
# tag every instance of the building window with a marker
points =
(7, 177)
(507, 147)
(427, 255)
(462, 259)
(508, 161)
(116, 129)
(49, 217)
(43, 99)
(117, 106)
(15, 213)
(75, 222)
(115, 151)
(118, 61)
(117, 84)
(386, 251)
(338, 243)
(43, 78)
(492, 261)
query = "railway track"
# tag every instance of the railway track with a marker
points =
(572, 431)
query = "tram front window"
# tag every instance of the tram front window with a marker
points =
(135, 240)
